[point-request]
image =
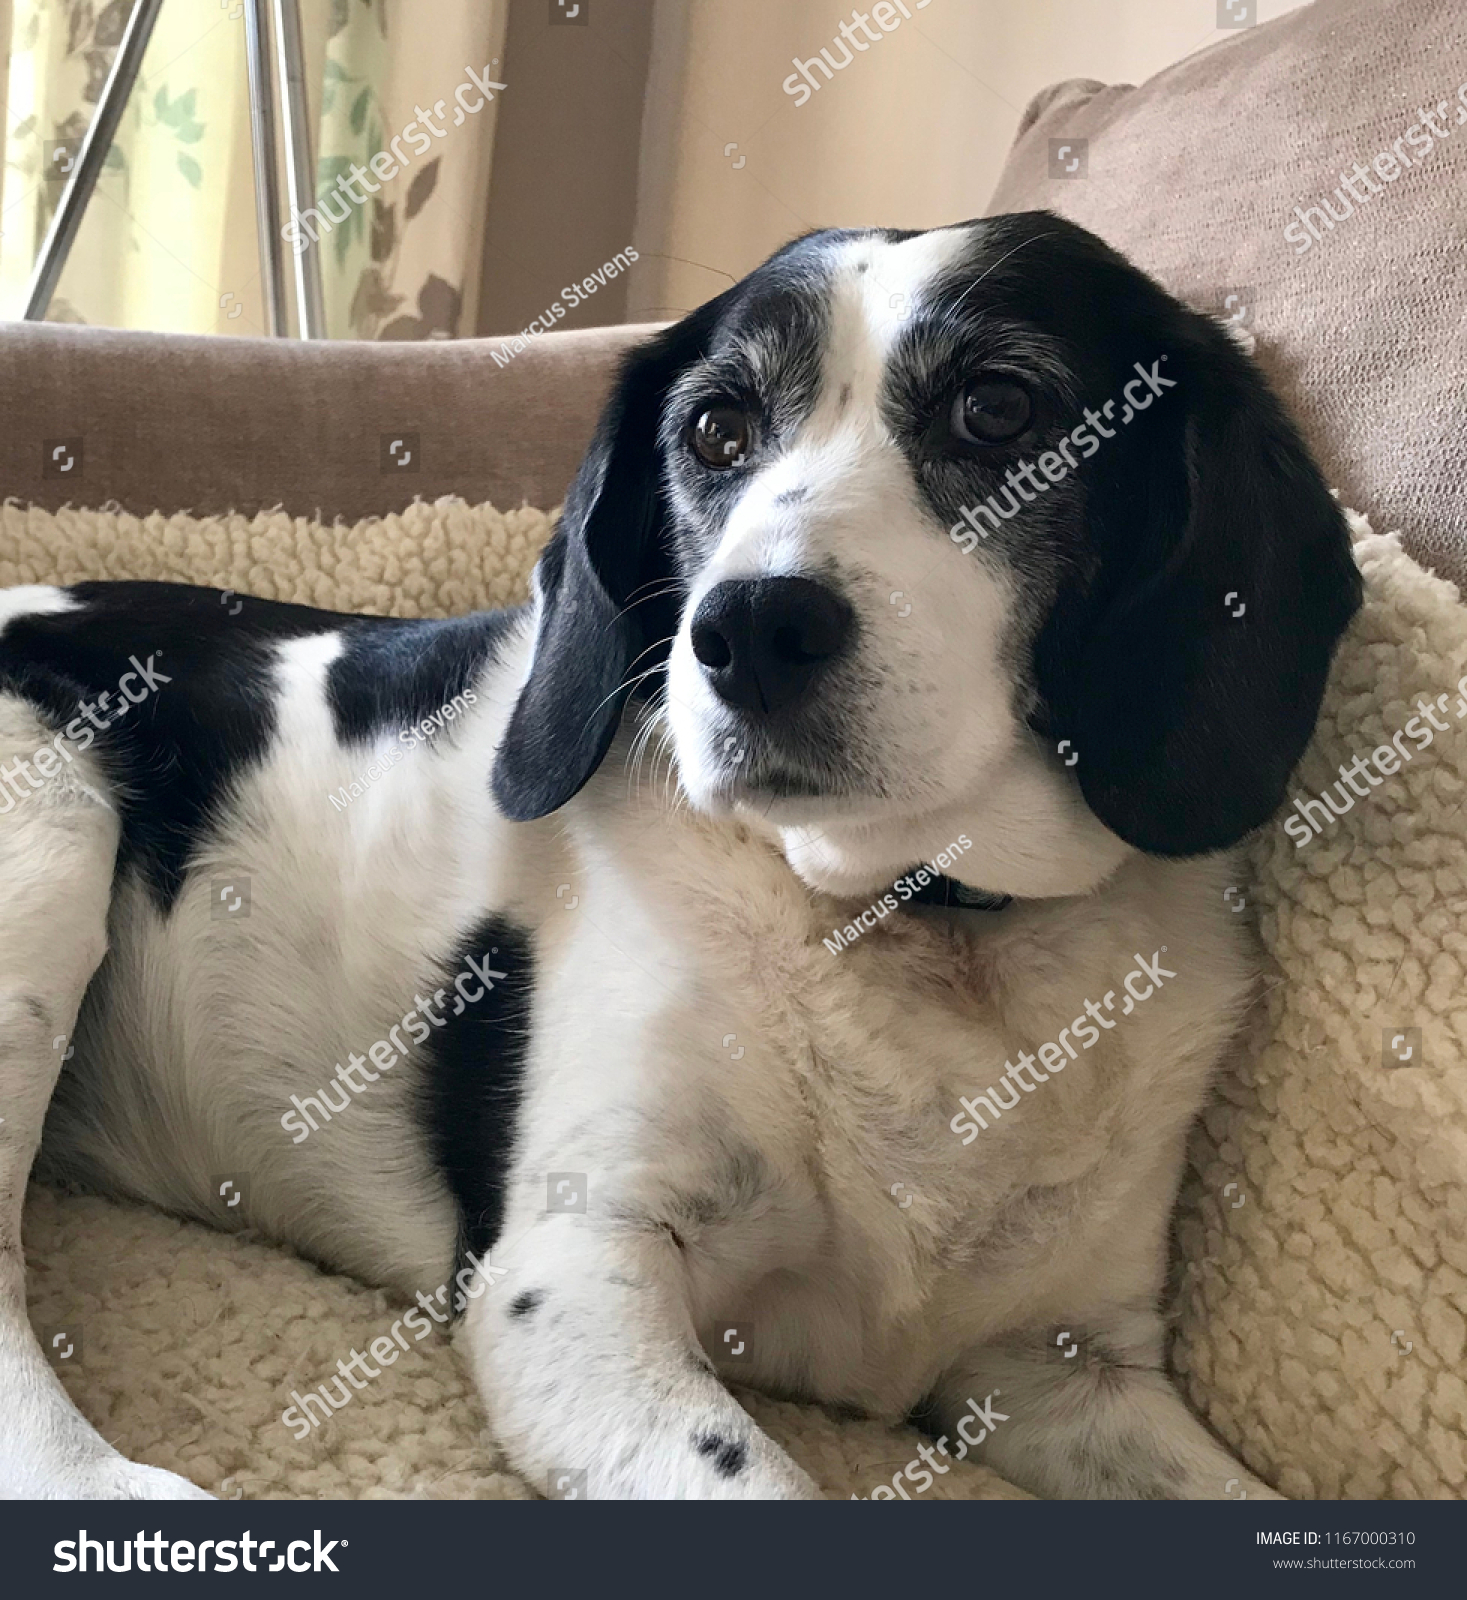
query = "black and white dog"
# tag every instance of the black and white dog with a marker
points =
(614, 971)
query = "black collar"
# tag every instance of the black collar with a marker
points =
(940, 890)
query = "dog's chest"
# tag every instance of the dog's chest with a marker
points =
(804, 1097)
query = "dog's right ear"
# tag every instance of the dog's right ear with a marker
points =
(603, 607)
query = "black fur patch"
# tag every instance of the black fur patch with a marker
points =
(523, 1304)
(171, 757)
(396, 672)
(473, 1077)
(730, 1456)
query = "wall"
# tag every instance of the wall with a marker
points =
(563, 195)
(912, 133)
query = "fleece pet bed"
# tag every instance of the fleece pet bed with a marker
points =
(1320, 1277)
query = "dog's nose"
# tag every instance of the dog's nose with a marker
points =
(764, 641)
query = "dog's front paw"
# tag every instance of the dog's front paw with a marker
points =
(749, 1469)
(117, 1478)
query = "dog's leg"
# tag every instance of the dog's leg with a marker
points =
(1102, 1422)
(593, 1377)
(57, 845)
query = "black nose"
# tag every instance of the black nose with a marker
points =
(764, 641)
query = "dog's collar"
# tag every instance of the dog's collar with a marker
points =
(940, 890)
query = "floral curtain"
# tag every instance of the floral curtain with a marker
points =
(401, 266)
(169, 240)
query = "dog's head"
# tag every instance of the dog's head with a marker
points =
(975, 530)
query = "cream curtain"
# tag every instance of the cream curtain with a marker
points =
(169, 239)
(406, 264)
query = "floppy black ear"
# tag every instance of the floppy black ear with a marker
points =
(600, 586)
(1189, 673)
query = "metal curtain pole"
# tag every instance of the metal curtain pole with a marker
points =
(61, 235)
(267, 182)
(299, 167)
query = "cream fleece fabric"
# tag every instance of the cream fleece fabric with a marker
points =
(1323, 1291)
(1321, 1273)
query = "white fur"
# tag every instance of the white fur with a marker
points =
(847, 1075)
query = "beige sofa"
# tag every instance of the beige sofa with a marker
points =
(174, 422)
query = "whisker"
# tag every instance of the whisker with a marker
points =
(656, 644)
(626, 684)
(996, 265)
(637, 755)
(634, 601)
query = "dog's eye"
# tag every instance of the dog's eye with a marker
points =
(991, 411)
(721, 436)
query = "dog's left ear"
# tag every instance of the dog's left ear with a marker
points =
(603, 611)
(1188, 670)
